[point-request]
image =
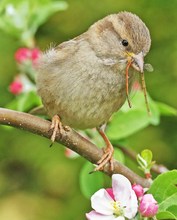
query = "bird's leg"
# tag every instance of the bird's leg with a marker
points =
(56, 126)
(108, 152)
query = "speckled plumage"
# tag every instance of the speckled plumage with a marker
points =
(83, 80)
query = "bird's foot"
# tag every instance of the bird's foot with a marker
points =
(107, 157)
(56, 126)
(108, 152)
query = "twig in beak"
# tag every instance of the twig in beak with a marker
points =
(127, 77)
(143, 86)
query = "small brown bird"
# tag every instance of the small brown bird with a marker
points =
(83, 81)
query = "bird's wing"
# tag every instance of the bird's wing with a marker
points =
(39, 110)
(60, 53)
(67, 49)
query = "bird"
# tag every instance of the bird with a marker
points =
(83, 81)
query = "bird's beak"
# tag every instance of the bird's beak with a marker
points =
(137, 61)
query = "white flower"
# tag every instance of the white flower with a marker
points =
(123, 205)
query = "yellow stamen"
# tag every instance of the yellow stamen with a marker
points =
(117, 208)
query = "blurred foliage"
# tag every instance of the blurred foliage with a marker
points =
(37, 182)
(22, 18)
(124, 123)
(25, 102)
(90, 183)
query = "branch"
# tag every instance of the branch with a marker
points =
(70, 138)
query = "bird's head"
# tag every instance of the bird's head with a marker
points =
(122, 36)
(134, 38)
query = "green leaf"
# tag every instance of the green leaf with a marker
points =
(147, 155)
(170, 212)
(25, 101)
(141, 161)
(119, 155)
(125, 124)
(171, 201)
(173, 209)
(90, 183)
(166, 109)
(165, 215)
(128, 121)
(164, 190)
(164, 186)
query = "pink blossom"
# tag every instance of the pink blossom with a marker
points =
(16, 87)
(23, 54)
(148, 206)
(138, 189)
(118, 203)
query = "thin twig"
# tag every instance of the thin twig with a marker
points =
(70, 138)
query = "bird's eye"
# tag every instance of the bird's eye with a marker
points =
(125, 43)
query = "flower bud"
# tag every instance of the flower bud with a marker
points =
(138, 189)
(16, 87)
(148, 206)
(35, 53)
(24, 54)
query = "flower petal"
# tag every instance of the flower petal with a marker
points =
(124, 193)
(120, 218)
(97, 216)
(121, 188)
(101, 202)
(131, 209)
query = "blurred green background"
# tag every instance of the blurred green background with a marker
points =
(40, 183)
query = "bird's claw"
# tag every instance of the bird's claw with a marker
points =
(107, 157)
(56, 126)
